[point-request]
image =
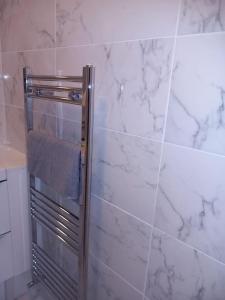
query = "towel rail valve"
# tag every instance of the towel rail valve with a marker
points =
(73, 95)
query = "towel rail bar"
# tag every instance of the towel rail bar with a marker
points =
(55, 78)
(66, 228)
(39, 277)
(56, 233)
(73, 219)
(56, 88)
(58, 217)
(46, 277)
(55, 99)
(40, 252)
(62, 283)
(71, 240)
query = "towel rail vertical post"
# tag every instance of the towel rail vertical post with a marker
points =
(86, 153)
(28, 103)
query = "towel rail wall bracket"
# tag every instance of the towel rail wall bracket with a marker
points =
(78, 90)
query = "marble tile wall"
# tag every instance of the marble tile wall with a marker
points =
(2, 106)
(158, 209)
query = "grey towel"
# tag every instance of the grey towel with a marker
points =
(55, 162)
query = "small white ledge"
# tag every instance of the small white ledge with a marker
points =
(11, 158)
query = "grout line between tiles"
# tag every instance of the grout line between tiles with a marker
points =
(122, 210)
(163, 139)
(189, 148)
(163, 143)
(128, 134)
(163, 232)
(116, 42)
(191, 247)
(189, 35)
(115, 273)
(90, 45)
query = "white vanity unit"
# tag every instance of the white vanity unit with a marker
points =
(14, 217)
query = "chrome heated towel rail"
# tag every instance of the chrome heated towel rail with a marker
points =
(69, 228)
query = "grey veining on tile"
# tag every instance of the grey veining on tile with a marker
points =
(177, 272)
(120, 241)
(103, 284)
(93, 21)
(125, 170)
(201, 16)
(27, 24)
(196, 110)
(132, 82)
(190, 204)
(39, 62)
(134, 94)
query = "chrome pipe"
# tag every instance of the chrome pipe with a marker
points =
(71, 239)
(56, 233)
(55, 99)
(68, 215)
(56, 78)
(56, 88)
(58, 269)
(50, 218)
(57, 290)
(63, 284)
(58, 217)
(39, 278)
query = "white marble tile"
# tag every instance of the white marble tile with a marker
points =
(1, 80)
(125, 170)
(201, 16)
(103, 284)
(15, 127)
(27, 24)
(2, 124)
(190, 204)
(196, 111)
(39, 62)
(84, 22)
(2, 107)
(132, 81)
(177, 272)
(120, 241)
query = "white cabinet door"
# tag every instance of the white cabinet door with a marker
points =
(4, 208)
(6, 267)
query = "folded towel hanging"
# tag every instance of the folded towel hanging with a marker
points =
(56, 162)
